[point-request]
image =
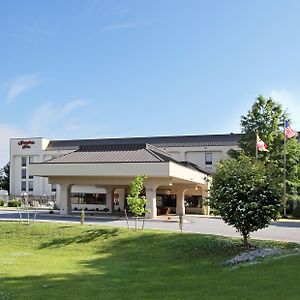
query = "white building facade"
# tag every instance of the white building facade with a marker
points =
(29, 157)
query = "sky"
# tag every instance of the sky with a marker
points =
(108, 68)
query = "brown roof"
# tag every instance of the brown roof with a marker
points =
(157, 141)
(132, 153)
(114, 154)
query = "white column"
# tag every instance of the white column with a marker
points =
(122, 199)
(151, 201)
(65, 199)
(110, 198)
(180, 208)
(205, 195)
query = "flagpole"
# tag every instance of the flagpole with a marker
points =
(256, 148)
(284, 170)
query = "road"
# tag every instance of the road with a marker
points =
(288, 231)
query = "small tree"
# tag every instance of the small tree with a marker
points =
(245, 196)
(136, 202)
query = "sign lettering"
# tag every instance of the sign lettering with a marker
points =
(26, 144)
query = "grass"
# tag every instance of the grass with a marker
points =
(55, 261)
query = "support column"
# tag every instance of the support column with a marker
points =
(180, 208)
(151, 201)
(65, 199)
(205, 195)
(110, 198)
(122, 199)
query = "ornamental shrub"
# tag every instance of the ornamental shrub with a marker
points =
(14, 203)
(245, 195)
(1, 202)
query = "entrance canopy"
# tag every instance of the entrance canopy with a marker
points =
(114, 166)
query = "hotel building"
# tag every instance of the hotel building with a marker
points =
(95, 174)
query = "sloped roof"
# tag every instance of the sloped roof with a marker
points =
(157, 141)
(132, 153)
(114, 154)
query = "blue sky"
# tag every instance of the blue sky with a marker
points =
(85, 69)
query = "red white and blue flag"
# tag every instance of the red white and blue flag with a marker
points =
(288, 131)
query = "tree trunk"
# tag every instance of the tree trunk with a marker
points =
(245, 239)
(135, 223)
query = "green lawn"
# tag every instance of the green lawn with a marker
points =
(58, 261)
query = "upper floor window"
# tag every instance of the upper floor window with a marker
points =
(208, 158)
(23, 186)
(30, 186)
(23, 173)
(30, 159)
(24, 161)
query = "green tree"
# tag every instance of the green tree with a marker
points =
(266, 118)
(244, 193)
(4, 177)
(136, 202)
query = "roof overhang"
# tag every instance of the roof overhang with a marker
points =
(171, 170)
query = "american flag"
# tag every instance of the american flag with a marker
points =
(288, 131)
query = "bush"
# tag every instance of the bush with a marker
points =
(1, 202)
(14, 203)
(244, 193)
(296, 212)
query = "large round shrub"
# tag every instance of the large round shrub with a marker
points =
(245, 195)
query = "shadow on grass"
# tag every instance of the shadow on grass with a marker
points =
(85, 237)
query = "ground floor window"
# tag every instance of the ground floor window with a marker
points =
(193, 201)
(166, 200)
(86, 198)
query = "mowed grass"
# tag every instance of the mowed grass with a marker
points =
(59, 261)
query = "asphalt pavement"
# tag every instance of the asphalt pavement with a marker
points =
(282, 230)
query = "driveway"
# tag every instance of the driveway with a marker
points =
(288, 231)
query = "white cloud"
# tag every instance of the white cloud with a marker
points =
(74, 105)
(6, 132)
(290, 102)
(20, 85)
(119, 26)
(51, 121)
(43, 119)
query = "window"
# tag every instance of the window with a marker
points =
(53, 187)
(30, 186)
(23, 186)
(23, 173)
(193, 201)
(208, 158)
(30, 177)
(30, 159)
(85, 198)
(24, 162)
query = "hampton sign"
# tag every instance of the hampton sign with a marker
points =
(26, 144)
